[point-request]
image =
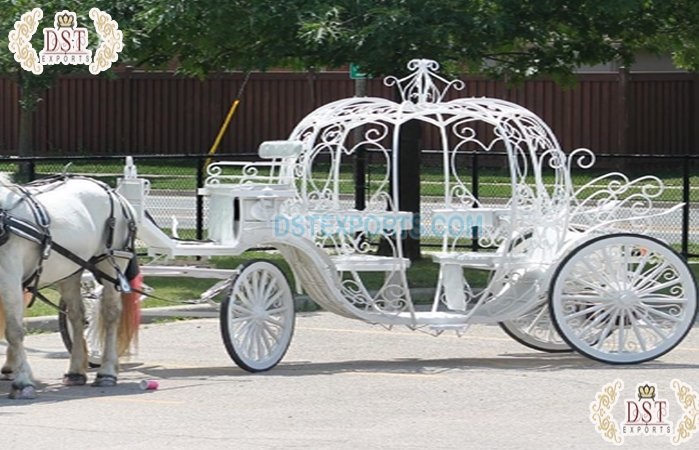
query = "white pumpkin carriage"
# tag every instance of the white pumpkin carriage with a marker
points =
(568, 268)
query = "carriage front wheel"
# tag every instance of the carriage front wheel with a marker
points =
(257, 317)
(623, 298)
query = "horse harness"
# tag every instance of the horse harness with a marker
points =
(39, 233)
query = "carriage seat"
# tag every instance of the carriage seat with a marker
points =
(341, 228)
(459, 223)
(277, 167)
(243, 195)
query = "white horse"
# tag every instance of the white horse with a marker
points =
(79, 213)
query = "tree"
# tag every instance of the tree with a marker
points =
(677, 32)
(511, 39)
(515, 39)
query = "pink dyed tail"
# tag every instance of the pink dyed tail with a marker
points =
(130, 317)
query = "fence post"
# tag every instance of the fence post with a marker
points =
(359, 155)
(685, 208)
(31, 172)
(200, 198)
(360, 178)
(474, 191)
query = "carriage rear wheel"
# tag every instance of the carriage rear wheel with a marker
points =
(257, 317)
(535, 330)
(623, 298)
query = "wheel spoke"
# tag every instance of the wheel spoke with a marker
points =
(239, 320)
(276, 311)
(591, 324)
(584, 299)
(591, 309)
(621, 319)
(271, 337)
(639, 266)
(275, 321)
(610, 267)
(273, 298)
(594, 272)
(639, 337)
(255, 286)
(650, 324)
(262, 344)
(262, 286)
(271, 332)
(242, 333)
(269, 286)
(240, 309)
(594, 287)
(606, 332)
(246, 293)
(650, 276)
(252, 341)
(666, 316)
(536, 321)
(665, 300)
(659, 287)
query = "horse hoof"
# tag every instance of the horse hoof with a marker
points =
(24, 393)
(6, 376)
(104, 381)
(74, 379)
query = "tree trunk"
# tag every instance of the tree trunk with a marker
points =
(28, 99)
(409, 145)
(409, 183)
(359, 155)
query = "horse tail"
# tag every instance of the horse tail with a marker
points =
(127, 334)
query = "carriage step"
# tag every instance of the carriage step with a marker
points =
(369, 263)
(485, 260)
(477, 260)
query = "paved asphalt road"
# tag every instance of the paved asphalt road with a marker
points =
(343, 384)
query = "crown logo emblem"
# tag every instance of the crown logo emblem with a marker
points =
(65, 19)
(646, 391)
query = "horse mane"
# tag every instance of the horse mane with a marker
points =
(6, 178)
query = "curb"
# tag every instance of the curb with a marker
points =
(302, 303)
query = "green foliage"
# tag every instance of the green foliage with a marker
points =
(515, 39)
(677, 32)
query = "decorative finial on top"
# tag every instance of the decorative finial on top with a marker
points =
(420, 87)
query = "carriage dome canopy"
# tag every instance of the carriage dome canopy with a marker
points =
(463, 124)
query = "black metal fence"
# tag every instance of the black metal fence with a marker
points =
(174, 201)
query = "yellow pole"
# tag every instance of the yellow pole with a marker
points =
(223, 129)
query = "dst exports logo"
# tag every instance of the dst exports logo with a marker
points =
(65, 42)
(646, 414)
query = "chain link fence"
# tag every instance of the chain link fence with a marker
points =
(176, 206)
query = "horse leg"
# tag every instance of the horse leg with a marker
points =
(71, 295)
(7, 371)
(17, 364)
(110, 311)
